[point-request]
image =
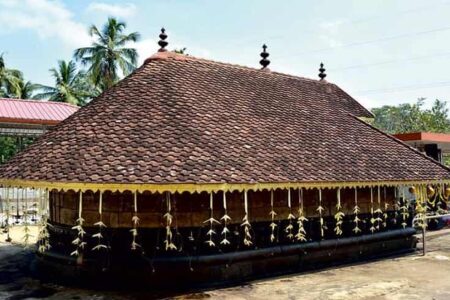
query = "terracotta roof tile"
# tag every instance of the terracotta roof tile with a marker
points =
(180, 119)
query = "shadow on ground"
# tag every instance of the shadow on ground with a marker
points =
(397, 278)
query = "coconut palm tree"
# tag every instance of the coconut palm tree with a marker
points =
(69, 85)
(108, 57)
(9, 79)
(24, 90)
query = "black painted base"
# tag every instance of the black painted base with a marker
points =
(184, 272)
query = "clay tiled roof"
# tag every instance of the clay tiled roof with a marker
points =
(185, 120)
(34, 112)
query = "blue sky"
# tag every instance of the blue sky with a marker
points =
(379, 51)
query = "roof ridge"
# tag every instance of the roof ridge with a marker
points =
(38, 101)
(177, 56)
(401, 143)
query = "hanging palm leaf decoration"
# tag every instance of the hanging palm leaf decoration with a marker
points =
(440, 200)
(356, 211)
(320, 209)
(447, 194)
(246, 224)
(211, 222)
(378, 211)
(431, 199)
(423, 205)
(290, 217)
(272, 214)
(396, 205)
(404, 209)
(339, 216)
(100, 225)
(301, 233)
(8, 215)
(169, 218)
(386, 206)
(135, 221)
(225, 218)
(420, 206)
(79, 240)
(17, 216)
(43, 210)
(372, 216)
(430, 192)
(26, 230)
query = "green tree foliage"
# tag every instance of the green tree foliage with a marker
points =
(7, 148)
(108, 57)
(107, 60)
(25, 90)
(412, 117)
(181, 50)
(9, 80)
(13, 85)
(71, 86)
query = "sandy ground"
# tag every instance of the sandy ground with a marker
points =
(407, 277)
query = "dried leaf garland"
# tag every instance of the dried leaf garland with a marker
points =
(169, 218)
(272, 214)
(211, 222)
(301, 233)
(320, 209)
(356, 210)
(290, 217)
(339, 216)
(246, 224)
(225, 218)
(79, 240)
(100, 225)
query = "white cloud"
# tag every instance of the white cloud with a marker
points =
(116, 10)
(330, 31)
(367, 102)
(49, 19)
(332, 26)
(145, 48)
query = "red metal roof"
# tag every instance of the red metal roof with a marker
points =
(34, 111)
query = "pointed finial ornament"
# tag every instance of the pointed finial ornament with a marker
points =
(322, 70)
(162, 42)
(264, 61)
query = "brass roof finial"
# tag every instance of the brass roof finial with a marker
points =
(322, 70)
(264, 61)
(162, 42)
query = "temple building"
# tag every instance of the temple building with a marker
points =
(192, 172)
